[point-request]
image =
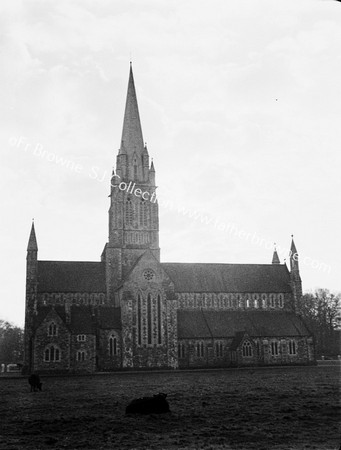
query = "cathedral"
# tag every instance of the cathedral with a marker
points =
(131, 311)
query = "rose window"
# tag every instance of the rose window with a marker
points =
(148, 274)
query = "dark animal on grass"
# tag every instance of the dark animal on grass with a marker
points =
(149, 405)
(35, 382)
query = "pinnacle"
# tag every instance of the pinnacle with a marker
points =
(32, 242)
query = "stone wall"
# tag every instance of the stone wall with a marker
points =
(194, 353)
(109, 360)
(144, 354)
(86, 346)
(203, 353)
(61, 341)
(303, 350)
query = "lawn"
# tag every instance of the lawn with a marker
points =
(254, 409)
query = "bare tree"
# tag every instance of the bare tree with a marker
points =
(11, 343)
(321, 311)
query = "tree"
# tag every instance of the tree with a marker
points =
(11, 343)
(321, 312)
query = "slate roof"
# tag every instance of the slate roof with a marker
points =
(194, 324)
(109, 317)
(82, 320)
(43, 312)
(193, 277)
(71, 276)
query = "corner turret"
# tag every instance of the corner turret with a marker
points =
(296, 282)
(31, 297)
(275, 257)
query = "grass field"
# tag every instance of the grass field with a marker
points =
(262, 409)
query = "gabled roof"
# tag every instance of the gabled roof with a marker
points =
(43, 311)
(218, 324)
(71, 276)
(193, 277)
(82, 321)
(109, 317)
(239, 336)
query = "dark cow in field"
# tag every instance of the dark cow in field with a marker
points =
(35, 382)
(149, 405)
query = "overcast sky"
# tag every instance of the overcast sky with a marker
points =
(240, 108)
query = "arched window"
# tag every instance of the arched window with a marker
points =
(272, 300)
(200, 349)
(255, 298)
(112, 346)
(159, 330)
(52, 329)
(280, 300)
(129, 212)
(181, 350)
(247, 349)
(274, 348)
(143, 214)
(292, 347)
(219, 349)
(52, 354)
(149, 318)
(81, 355)
(239, 302)
(139, 319)
(248, 301)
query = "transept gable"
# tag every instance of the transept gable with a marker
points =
(148, 272)
(51, 314)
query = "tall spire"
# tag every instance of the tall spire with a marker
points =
(32, 242)
(132, 139)
(275, 257)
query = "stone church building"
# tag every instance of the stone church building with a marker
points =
(131, 311)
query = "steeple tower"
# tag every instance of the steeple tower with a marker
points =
(296, 282)
(31, 295)
(133, 212)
